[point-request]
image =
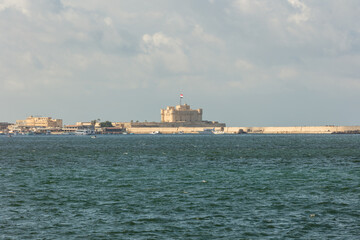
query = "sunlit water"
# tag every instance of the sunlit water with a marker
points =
(180, 187)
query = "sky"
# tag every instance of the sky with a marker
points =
(244, 62)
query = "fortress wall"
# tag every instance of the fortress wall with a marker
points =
(203, 124)
(259, 130)
(293, 130)
(165, 130)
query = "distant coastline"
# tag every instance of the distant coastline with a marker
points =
(174, 120)
(170, 128)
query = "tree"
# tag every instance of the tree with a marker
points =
(106, 124)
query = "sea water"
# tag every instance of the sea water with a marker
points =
(180, 187)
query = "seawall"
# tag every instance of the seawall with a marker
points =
(251, 130)
(294, 130)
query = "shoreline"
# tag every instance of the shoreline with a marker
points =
(230, 130)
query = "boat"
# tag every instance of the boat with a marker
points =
(218, 132)
(206, 131)
(84, 132)
(155, 132)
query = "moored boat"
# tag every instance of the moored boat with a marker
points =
(218, 132)
(84, 132)
(155, 132)
(206, 131)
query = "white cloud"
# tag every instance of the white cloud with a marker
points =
(287, 73)
(19, 5)
(199, 32)
(249, 6)
(244, 65)
(161, 50)
(159, 40)
(14, 85)
(108, 21)
(304, 14)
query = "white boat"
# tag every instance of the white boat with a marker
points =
(155, 132)
(84, 132)
(218, 132)
(206, 131)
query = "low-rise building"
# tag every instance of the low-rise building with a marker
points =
(44, 122)
(112, 130)
(4, 127)
(77, 127)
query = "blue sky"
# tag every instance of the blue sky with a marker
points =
(245, 62)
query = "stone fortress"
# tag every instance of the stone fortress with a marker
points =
(180, 116)
(181, 113)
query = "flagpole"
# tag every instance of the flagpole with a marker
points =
(181, 96)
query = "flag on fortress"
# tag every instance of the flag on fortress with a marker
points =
(181, 96)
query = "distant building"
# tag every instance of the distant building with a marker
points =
(113, 130)
(88, 124)
(181, 113)
(4, 126)
(73, 128)
(44, 122)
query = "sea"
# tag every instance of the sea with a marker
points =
(180, 187)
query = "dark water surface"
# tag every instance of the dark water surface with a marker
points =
(180, 187)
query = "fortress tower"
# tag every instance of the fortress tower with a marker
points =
(181, 113)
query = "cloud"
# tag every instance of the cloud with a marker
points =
(18, 5)
(199, 33)
(304, 14)
(108, 21)
(14, 85)
(288, 73)
(163, 52)
(249, 6)
(244, 65)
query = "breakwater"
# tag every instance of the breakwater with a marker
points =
(252, 130)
